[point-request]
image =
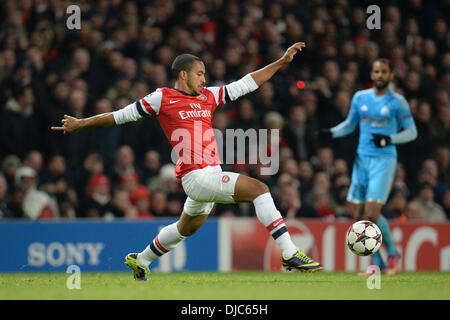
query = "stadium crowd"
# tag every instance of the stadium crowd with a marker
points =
(124, 51)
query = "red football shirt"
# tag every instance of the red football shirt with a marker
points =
(187, 123)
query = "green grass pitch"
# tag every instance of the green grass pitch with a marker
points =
(226, 286)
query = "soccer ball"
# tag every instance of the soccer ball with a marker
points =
(364, 238)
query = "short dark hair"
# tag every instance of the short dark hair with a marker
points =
(386, 61)
(183, 62)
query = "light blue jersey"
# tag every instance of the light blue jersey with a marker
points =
(384, 115)
(374, 168)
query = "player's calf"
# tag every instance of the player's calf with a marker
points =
(188, 225)
(251, 190)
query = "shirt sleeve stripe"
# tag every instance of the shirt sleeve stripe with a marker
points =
(221, 96)
(226, 95)
(140, 110)
(148, 107)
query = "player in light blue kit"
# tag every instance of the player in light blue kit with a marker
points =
(384, 120)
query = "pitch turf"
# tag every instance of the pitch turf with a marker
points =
(226, 286)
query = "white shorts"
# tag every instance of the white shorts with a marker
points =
(206, 186)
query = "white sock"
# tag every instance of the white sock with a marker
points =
(270, 217)
(166, 240)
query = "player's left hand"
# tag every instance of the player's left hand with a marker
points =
(288, 56)
(380, 140)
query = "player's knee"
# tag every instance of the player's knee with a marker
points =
(260, 188)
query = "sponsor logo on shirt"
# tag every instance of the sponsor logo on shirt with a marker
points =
(196, 112)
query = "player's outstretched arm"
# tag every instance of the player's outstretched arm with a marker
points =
(71, 124)
(262, 75)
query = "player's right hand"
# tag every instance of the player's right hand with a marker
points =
(69, 124)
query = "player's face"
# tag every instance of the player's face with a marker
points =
(381, 75)
(196, 77)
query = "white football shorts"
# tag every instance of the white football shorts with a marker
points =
(206, 186)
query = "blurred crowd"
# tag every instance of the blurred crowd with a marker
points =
(124, 51)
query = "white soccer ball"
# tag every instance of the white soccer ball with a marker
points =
(364, 238)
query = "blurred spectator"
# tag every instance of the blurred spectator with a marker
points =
(159, 203)
(400, 180)
(340, 167)
(10, 165)
(4, 210)
(341, 184)
(36, 204)
(121, 206)
(125, 49)
(412, 213)
(129, 181)
(430, 211)
(322, 203)
(151, 165)
(92, 164)
(265, 100)
(396, 205)
(106, 138)
(298, 134)
(422, 144)
(245, 117)
(165, 181)
(291, 205)
(325, 160)
(15, 203)
(97, 203)
(34, 160)
(18, 124)
(321, 181)
(140, 197)
(306, 176)
(441, 126)
(124, 163)
(443, 163)
(445, 201)
(174, 204)
(66, 206)
(55, 169)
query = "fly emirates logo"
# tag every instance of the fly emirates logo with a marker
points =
(196, 112)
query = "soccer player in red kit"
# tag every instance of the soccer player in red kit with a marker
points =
(185, 113)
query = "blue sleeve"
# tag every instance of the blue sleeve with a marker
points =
(406, 121)
(348, 126)
(404, 116)
(404, 136)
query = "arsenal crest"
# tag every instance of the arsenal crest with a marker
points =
(201, 97)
